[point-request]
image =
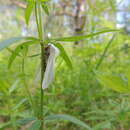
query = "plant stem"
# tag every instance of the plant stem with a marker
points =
(38, 16)
(42, 75)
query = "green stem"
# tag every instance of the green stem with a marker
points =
(42, 92)
(38, 16)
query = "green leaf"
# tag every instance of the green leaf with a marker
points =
(5, 125)
(34, 55)
(35, 125)
(20, 103)
(64, 55)
(18, 49)
(10, 41)
(104, 52)
(127, 73)
(14, 55)
(78, 38)
(26, 121)
(68, 118)
(28, 11)
(14, 86)
(45, 8)
(114, 82)
(102, 125)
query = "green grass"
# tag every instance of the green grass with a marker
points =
(75, 92)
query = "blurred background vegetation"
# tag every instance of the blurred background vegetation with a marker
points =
(77, 92)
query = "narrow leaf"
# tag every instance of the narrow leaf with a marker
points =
(78, 38)
(114, 82)
(64, 55)
(10, 41)
(35, 125)
(13, 56)
(45, 8)
(5, 125)
(18, 49)
(26, 121)
(28, 11)
(20, 103)
(102, 125)
(104, 53)
(68, 118)
(14, 86)
(34, 55)
(10, 50)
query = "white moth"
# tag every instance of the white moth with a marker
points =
(50, 67)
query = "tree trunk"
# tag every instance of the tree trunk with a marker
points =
(80, 17)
